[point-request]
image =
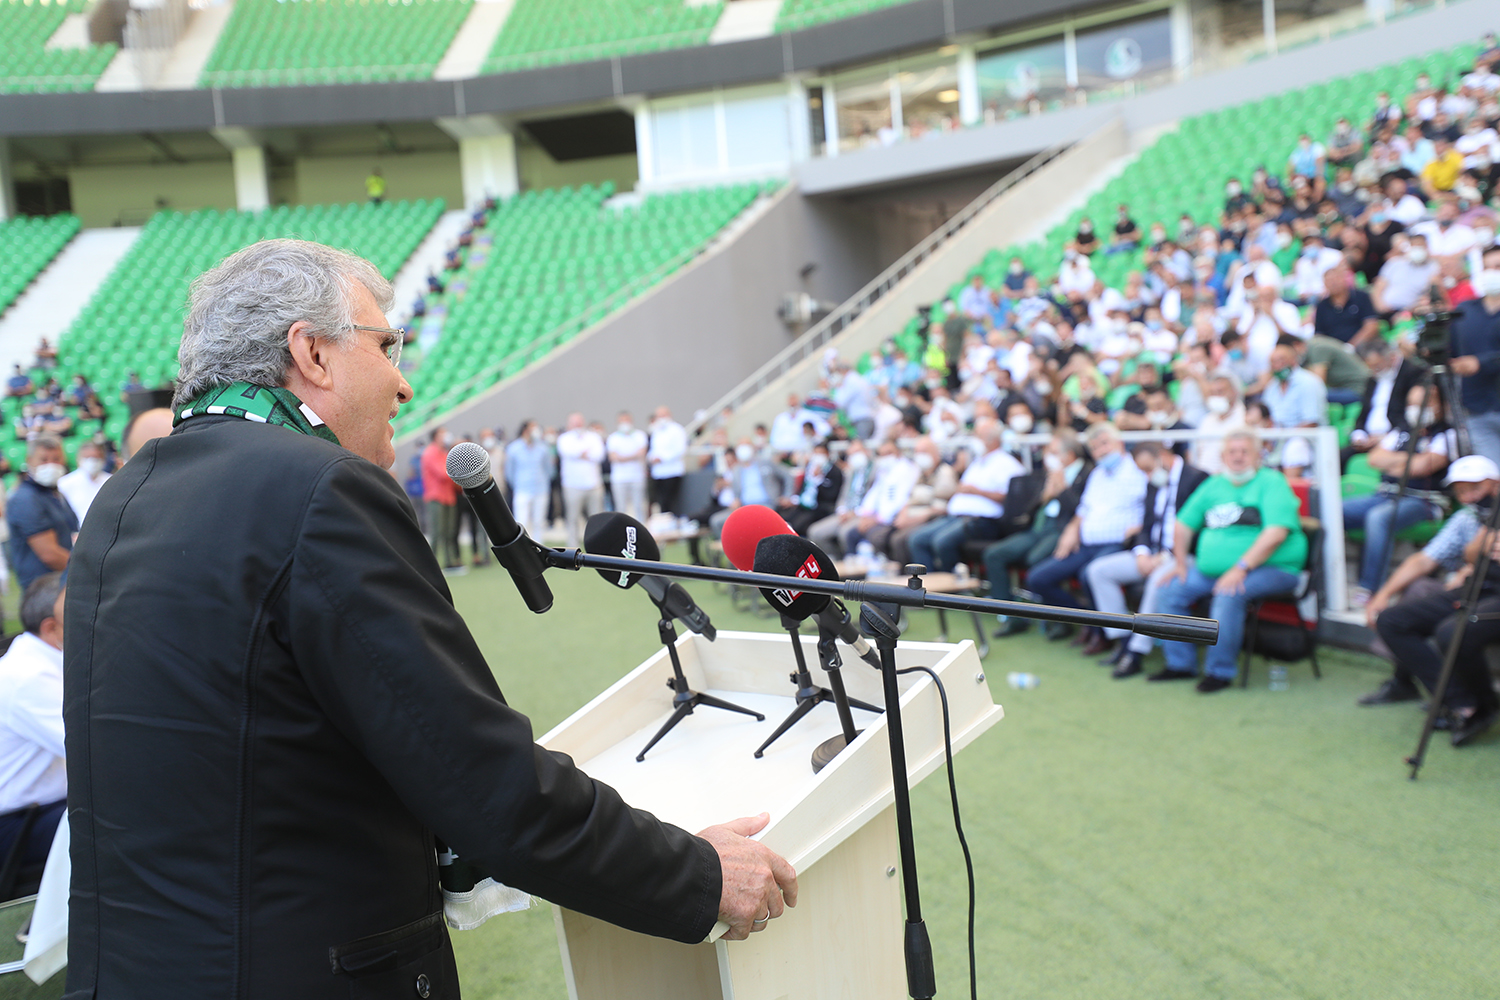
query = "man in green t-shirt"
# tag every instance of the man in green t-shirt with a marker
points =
(1249, 545)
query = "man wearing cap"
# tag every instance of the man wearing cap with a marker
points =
(1429, 610)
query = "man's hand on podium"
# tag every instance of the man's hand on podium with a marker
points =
(757, 881)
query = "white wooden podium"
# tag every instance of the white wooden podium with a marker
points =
(837, 827)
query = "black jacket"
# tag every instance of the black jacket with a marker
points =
(1191, 478)
(272, 707)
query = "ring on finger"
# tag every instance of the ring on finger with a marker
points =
(764, 918)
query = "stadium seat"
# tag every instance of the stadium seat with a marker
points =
(29, 245)
(550, 32)
(270, 43)
(796, 14)
(28, 67)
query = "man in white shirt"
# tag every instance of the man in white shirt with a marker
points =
(80, 486)
(1404, 208)
(1111, 510)
(875, 518)
(974, 300)
(856, 397)
(32, 772)
(580, 455)
(786, 428)
(667, 459)
(1315, 261)
(974, 512)
(627, 467)
(1266, 273)
(1075, 278)
(1267, 317)
(1405, 277)
(1447, 238)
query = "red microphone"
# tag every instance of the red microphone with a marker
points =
(744, 529)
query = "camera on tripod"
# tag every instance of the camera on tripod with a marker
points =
(1433, 331)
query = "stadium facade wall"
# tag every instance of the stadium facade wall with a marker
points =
(128, 195)
(322, 180)
(538, 170)
(693, 337)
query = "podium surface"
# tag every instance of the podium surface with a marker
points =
(836, 827)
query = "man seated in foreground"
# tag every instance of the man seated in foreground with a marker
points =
(31, 724)
(1250, 544)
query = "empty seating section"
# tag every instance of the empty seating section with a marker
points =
(269, 43)
(549, 260)
(549, 32)
(27, 66)
(134, 321)
(29, 244)
(796, 14)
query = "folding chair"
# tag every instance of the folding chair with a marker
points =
(1286, 608)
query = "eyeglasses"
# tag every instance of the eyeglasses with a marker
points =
(392, 348)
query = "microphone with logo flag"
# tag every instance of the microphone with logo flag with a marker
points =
(615, 534)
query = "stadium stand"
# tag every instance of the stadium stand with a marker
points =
(30, 245)
(134, 322)
(569, 260)
(549, 32)
(796, 14)
(268, 43)
(28, 67)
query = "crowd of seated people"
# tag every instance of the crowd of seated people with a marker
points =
(1300, 306)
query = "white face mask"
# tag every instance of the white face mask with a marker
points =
(926, 462)
(1052, 462)
(1417, 255)
(744, 453)
(1159, 418)
(1487, 283)
(884, 464)
(1159, 477)
(625, 427)
(1416, 415)
(47, 475)
(489, 442)
(91, 466)
(1217, 404)
(1021, 423)
(858, 460)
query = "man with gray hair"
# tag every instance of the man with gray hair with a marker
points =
(253, 605)
(33, 778)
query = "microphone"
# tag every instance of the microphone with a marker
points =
(469, 467)
(613, 533)
(776, 549)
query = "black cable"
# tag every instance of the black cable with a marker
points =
(958, 823)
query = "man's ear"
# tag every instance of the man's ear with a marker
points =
(309, 354)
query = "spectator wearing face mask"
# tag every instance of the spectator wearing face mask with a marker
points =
(1294, 397)
(1476, 357)
(1341, 370)
(1400, 205)
(80, 486)
(1067, 468)
(1126, 235)
(41, 523)
(974, 300)
(1108, 513)
(855, 396)
(1238, 361)
(974, 511)
(818, 493)
(1404, 278)
(1447, 238)
(1306, 158)
(1014, 285)
(1439, 176)
(528, 473)
(627, 467)
(1386, 114)
(873, 519)
(1085, 238)
(1225, 412)
(1266, 320)
(1345, 313)
(859, 476)
(666, 457)
(1314, 260)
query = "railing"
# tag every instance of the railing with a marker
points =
(492, 373)
(821, 332)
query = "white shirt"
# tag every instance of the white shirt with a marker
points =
(1307, 273)
(1379, 420)
(1112, 503)
(1405, 282)
(669, 444)
(1266, 273)
(79, 490)
(991, 472)
(630, 470)
(1478, 147)
(1406, 211)
(855, 396)
(31, 725)
(1076, 276)
(890, 491)
(580, 454)
(1456, 239)
(1261, 332)
(786, 429)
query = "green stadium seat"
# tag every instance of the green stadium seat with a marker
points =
(28, 67)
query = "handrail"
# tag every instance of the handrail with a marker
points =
(835, 322)
(491, 374)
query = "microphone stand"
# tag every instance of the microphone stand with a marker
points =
(686, 699)
(830, 661)
(809, 695)
(880, 623)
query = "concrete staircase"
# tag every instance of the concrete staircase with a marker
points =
(745, 19)
(54, 300)
(411, 280)
(467, 52)
(191, 53)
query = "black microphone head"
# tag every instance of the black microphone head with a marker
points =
(468, 465)
(614, 534)
(793, 555)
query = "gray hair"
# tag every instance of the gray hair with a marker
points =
(1245, 434)
(40, 441)
(240, 311)
(39, 600)
(1101, 430)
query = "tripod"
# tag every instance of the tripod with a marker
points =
(686, 699)
(810, 695)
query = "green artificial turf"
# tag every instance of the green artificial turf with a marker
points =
(1130, 840)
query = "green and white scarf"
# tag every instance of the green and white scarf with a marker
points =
(256, 402)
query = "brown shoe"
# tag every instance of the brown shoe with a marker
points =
(1085, 636)
(1098, 645)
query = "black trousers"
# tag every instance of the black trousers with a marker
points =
(1408, 626)
(667, 491)
(39, 840)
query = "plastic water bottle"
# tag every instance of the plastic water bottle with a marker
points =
(1022, 682)
(866, 552)
(1278, 677)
